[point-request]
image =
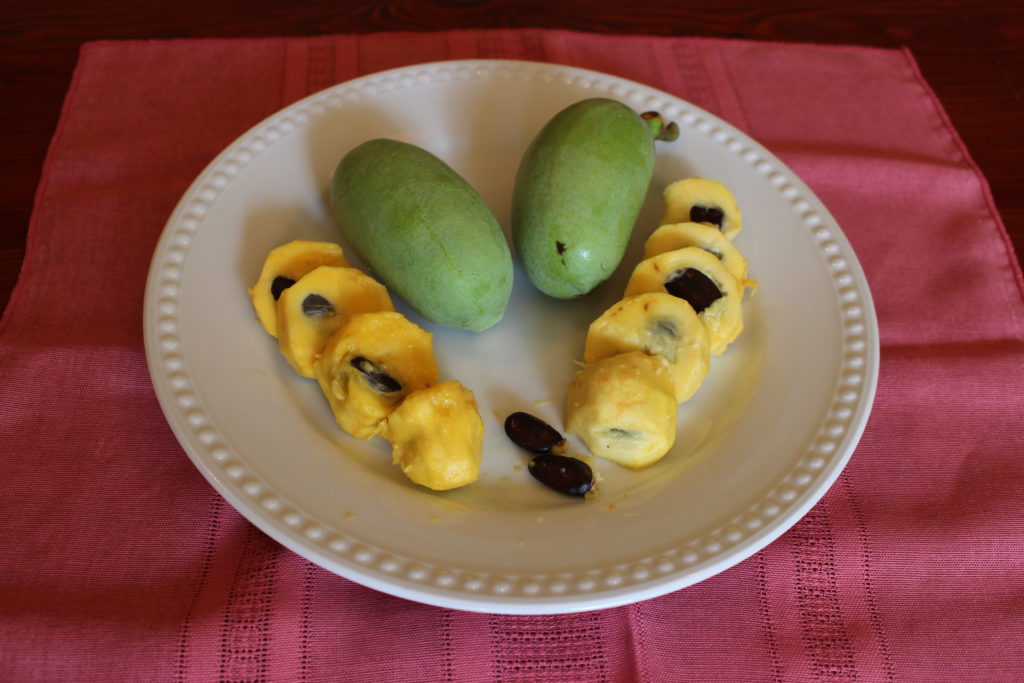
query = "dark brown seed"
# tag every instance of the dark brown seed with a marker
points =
(375, 376)
(280, 284)
(563, 474)
(533, 434)
(694, 287)
(707, 214)
(316, 306)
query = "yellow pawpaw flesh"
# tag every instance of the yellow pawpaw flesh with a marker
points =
(337, 325)
(282, 268)
(658, 324)
(702, 200)
(680, 307)
(436, 436)
(623, 408)
(672, 236)
(697, 276)
(370, 365)
(318, 305)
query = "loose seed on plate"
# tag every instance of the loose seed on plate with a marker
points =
(563, 474)
(533, 434)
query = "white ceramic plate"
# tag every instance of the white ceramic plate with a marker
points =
(764, 438)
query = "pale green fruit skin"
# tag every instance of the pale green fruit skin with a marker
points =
(578, 193)
(425, 232)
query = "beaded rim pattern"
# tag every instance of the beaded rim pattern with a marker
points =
(674, 567)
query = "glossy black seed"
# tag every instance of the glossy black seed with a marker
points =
(707, 214)
(280, 284)
(695, 287)
(563, 474)
(532, 433)
(375, 376)
(315, 306)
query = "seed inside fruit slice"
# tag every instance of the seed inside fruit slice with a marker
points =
(701, 200)
(674, 236)
(623, 409)
(659, 324)
(693, 287)
(370, 365)
(711, 288)
(318, 305)
(711, 215)
(280, 284)
(282, 268)
(375, 375)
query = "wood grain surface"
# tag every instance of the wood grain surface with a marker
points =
(971, 53)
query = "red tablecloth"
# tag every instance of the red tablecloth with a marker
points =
(118, 561)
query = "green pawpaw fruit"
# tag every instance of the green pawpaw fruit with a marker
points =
(578, 192)
(425, 232)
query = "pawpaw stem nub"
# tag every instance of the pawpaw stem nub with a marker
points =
(654, 121)
(659, 129)
(669, 133)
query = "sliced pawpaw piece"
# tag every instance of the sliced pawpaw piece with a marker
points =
(370, 365)
(659, 324)
(624, 409)
(701, 200)
(437, 436)
(282, 268)
(318, 305)
(700, 278)
(672, 236)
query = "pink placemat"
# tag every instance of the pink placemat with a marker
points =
(118, 560)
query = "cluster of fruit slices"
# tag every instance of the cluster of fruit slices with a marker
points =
(651, 351)
(337, 325)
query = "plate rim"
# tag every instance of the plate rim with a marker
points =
(329, 548)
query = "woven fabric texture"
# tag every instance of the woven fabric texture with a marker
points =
(118, 560)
